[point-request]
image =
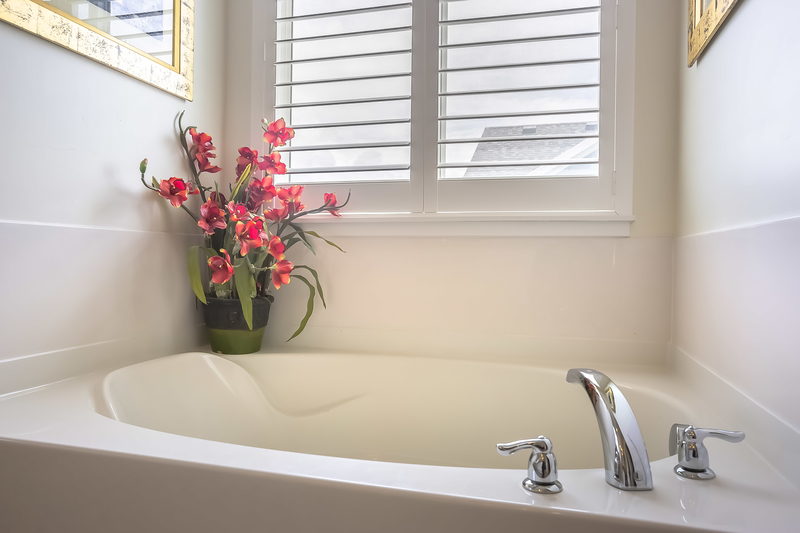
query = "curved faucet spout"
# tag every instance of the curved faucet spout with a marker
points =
(626, 462)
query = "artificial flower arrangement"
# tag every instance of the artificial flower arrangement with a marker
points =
(248, 234)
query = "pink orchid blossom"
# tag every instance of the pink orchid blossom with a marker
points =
(174, 190)
(271, 164)
(276, 248)
(221, 268)
(277, 133)
(248, 234)
(280, 273)
(260, 192)
(211, 217)
(246, 157)
(330, 201)
(277, 214)
(238, 212)
(203, 150)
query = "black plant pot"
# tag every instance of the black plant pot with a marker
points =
(227, 328)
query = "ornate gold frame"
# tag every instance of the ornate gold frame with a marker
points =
(703, 26)
(36, 17)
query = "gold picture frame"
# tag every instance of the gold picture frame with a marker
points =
(37, 17)
(703, 25)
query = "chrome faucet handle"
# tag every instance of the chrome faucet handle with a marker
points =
(687, 442)
(542, 471)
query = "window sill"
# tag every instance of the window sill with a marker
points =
(471, 224)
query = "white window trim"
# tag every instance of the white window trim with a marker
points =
(615, 222)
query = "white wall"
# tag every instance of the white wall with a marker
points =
(94, 266)
(565, 299)
(737, 290)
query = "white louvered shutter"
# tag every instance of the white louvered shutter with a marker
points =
(525, 105)
(343, 82)
(450, 105)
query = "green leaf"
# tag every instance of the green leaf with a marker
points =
(155, 183)
(316, 278)
(302, 235)
(242, 179)
(194, 273)
(210, 252)
(245, 286)
(259, 258)
(315, 234)
(290, 242)
(309, 308)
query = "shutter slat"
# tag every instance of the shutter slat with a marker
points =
(522, 40)
(339, 13)
(350, 56)
(522, 114)
(519, 138)
(344, 102)
(343, 146)
(521, 16)
(519, 65)
(339, 35)
(521, 89)
(323, 170)
(354, 78)
(346, 124)
(521, 163)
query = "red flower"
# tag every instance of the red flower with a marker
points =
(276, 248)
(330, 201)
(277, 133)
(211, 217)
(203, 150)
(221, 201)
(221, 268)
(202, 141)
(248, 234)
(280, 273)
(174, 190)
(272, 164)
(238, 212)
(292, 194)
(262, 231)
(294, 207)
(259, 192)
(204, 164)
(276, 215)
(246, 157)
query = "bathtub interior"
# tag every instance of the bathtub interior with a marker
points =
(383, 408)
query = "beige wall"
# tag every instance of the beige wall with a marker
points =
(740, 118)
(737, 291)
(655, 159)
(567, 299)
(90, 257)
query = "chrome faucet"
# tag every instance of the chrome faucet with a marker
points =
(626, 462)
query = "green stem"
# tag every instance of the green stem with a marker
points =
(194, 217)
(190, 159)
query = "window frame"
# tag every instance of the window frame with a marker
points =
(413, 208)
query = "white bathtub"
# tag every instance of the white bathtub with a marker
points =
(337, 442)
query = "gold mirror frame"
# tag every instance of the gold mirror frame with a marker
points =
(703, 26)
(36, 17)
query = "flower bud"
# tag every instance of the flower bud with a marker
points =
(143, 166)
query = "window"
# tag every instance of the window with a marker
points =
(452, 106)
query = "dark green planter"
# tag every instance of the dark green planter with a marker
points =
(227, 329)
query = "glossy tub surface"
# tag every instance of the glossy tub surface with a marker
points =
(340, 442)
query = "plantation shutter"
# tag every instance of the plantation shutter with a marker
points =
(450, 105)
(525, 106)
(343, 82)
